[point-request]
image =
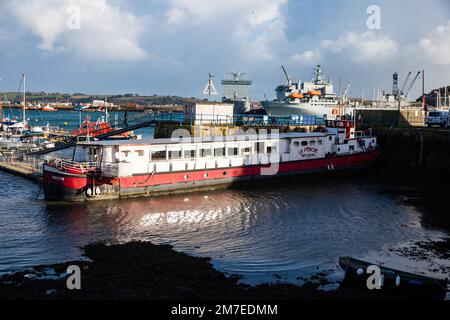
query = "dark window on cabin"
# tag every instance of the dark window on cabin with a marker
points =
(219, 152)
(271, 149)
(158, 155)
(175, 154)
(189, 154)
(205, 153)
(233, 151)
(259, 147)
(304, 143)
(351, 148)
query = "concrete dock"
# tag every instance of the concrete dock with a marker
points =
(22, 169)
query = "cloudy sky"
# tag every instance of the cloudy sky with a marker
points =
(168, 47)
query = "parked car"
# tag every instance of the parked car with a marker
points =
(437, 118)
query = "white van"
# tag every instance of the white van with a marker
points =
(437, 118)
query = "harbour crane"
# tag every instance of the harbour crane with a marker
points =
(411, 85)
(404, 83)
(346, 91)
(395, 91)
(288, 78)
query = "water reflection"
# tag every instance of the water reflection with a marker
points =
(258, 231)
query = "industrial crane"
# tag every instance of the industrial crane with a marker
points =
(411, 85)
(347, 89)
(404, 83)
(288, 78)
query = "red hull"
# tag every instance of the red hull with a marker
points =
(64, 186)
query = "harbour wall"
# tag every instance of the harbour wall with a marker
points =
(409, 117)
(411, 149)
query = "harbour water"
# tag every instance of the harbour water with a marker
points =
(266, 233)
(67, 120)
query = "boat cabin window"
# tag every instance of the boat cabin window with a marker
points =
(296, 143)
(304, 143)
(175, 154)
(312, 143)
(319, 142)
(351, 148)
(205, 153)
(245, 151)
(271, 149)
(139, 153)
(259, 147)
(219, 152)
(158, 155)
(107, 154)
(233, 151)
(125, 154)
(189, 154)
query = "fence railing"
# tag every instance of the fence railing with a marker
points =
(215, 119)
(23, 160)
(74, 166)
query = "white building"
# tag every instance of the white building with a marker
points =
(203, 113)
(101, 103)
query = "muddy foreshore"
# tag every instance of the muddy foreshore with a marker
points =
(141, 270)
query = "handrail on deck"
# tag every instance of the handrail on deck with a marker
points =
(67, 165)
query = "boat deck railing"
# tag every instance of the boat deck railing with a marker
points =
(74, 166)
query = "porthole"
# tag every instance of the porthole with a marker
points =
(296, 143)
(205, 175)
(224, 173)
(186, 177)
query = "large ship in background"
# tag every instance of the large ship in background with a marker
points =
(304, 98)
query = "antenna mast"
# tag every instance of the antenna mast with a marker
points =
(24, 100)
(210, 89)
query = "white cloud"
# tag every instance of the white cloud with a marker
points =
(437, 46)
(306, 57)
(254, 27)
(107, 32)
(254, 12)
(362, 47)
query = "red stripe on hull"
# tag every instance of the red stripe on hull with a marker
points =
(306, 165)
(54, 180)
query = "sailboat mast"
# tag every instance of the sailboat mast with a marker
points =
(24, 101)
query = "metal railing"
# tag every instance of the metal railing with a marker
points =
(28, 162)
(69, 165)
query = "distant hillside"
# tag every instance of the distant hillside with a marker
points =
(44, 97)
(431, 97)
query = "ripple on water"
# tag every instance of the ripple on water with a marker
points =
(262, 230)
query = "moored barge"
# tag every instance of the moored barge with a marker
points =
(117, 169)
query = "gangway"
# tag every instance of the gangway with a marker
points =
(116, 127)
